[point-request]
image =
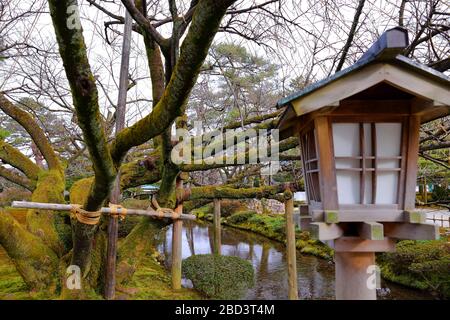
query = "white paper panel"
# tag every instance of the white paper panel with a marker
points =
(348, 163)
(368, 188)
(368, 139)
(348, 187)
(388, 139)
(388, 164)
(387, 183)
(346, 139)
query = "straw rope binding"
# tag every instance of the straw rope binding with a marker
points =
(117, 211)
(83, 216)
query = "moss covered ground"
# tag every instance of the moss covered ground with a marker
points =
(12, 287)
(151, 281)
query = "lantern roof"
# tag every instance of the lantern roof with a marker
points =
(382, 63)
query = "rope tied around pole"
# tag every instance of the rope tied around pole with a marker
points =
(83, 216)
(162, 212)
(115, 213)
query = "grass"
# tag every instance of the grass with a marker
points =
(152, 282)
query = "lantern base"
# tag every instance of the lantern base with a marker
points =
(356, 276)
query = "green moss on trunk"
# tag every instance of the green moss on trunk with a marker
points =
(35, 262)
(52, 227)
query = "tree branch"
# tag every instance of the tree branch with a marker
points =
(33, 129)
(22, 181)
(36, 263)
(437, 161)
(224, 192)
(351, 34)
(18, 160)
(435, 146)
(145, 24)
(85, 98)
(194, 49)
(221, 160)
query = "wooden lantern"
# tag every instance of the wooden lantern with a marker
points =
(359, 137)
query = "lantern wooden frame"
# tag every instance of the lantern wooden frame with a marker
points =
(383, 87)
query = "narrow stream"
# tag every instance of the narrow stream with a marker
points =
(315, 275)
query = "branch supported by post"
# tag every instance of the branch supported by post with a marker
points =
(176, 250)
(291, 249)
(217, 229)
(113, 225)
(105, 210)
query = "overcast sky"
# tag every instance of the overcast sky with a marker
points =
(328, 20)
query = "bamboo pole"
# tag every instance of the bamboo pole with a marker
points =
(176, 250)
(291, 249)
(217, 231)
(104, 210)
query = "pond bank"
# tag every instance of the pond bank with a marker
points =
(272, 226)
(315, 275)
(436, 283)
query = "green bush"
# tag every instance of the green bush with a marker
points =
(229, 207)
(241, 217)
(203, 211)
(421, 264)
(219, 277)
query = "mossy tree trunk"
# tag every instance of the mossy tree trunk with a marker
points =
(51, 233)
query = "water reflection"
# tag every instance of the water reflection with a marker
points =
(315, 276)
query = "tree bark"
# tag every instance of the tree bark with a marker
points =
(72, 49)
(33, 129)
(204, 26)
(18, 160)
(35, 262)
(17, 179)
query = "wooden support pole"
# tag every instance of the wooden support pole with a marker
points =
(353, 274)
(176, 250)
(217, 228)
(291, 249)
(113, 225)
(111, 249)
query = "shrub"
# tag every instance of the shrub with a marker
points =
(241, 217)
(229, 207)
(219, 277)
(203, 211)
(425, 264)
